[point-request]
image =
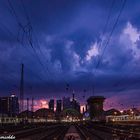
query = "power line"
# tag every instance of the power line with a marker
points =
(109, 16)
(36, 39)
(104, 30)
(11, 34)
(30, 38)
(107, 21)
(27, 33)
(13, 11)
(110, 35)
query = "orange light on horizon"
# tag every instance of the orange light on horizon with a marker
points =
(44, 103)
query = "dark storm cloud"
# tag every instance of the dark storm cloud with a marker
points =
(65, 38)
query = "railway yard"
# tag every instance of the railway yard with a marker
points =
(72, 131)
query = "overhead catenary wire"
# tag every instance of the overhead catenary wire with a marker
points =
(13, 11)
(110, 35)
(107, 21)
(28, 35)
(27, 29)
(10, 33)
(100, 43)
(119, 81)
(37, 41)
(36, 38)
(5, 29)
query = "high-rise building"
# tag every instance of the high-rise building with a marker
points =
(95, 107)
(73, 104)
(14, 105)
(59, 106)
(4, 107)
(9, 105)
(66, 103)
(51, 104)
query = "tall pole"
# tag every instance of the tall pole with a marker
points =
(22, 88)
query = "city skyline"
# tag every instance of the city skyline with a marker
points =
(70, 69)
(61, 44)
(44, 103)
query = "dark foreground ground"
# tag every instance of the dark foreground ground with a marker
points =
(72, 131)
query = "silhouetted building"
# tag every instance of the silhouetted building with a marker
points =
(66, 103)
(9, 105)
(73, 104)
(51, 104)
(112, 112)
(14, 105)
(95, 104)
(26, 114)
(4, 107)
(58, 106)
(44, 113)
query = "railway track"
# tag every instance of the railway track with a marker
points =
(87, 134)
(35, 133)
(88, 131)
(55, 134)
(12, 129)
(115, 132)
(17, 128)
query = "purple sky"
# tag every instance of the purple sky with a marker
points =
(61, 43)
